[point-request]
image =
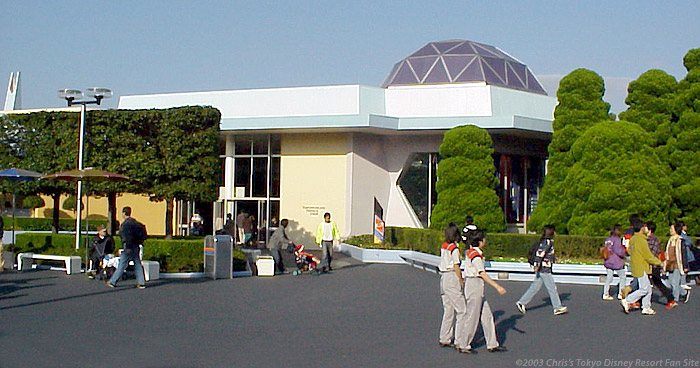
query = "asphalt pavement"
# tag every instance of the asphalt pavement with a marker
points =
(360, 315)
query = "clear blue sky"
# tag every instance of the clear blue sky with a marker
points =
(137, 47)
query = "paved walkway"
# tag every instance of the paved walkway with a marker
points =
(358, 316)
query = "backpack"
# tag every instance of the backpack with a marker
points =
(531, 253)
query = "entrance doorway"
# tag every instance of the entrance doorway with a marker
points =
(262, 212)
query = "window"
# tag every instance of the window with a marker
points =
(417, 181)
(257, 165)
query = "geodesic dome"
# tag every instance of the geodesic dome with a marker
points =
(460, 61)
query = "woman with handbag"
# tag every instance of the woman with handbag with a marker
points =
(614, 262)
(675, 265)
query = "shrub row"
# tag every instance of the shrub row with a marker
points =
(44, 224)
(498, 244)
(177, 255)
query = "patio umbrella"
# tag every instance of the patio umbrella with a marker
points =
(14, 174)
(90, 175)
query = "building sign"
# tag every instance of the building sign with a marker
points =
(378, 223)
(314, 211)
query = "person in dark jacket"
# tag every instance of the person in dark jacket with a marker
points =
(543, 262)
(2, 260)
(102, 245)
(133, 234)
(279, 241)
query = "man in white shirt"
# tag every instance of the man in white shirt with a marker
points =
(326, 233)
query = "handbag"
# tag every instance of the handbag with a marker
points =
(604, 252)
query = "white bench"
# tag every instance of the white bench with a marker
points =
(25, 260)
(151, 270)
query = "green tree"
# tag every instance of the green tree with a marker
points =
(616, 172)
(122, 141)
(187, 158)
(44, 142)
(651, 100)
(580, 106)
(466, 181)
(685, 155)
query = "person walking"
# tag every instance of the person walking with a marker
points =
(615, 263)
(454, 308)
(478, 309)
(640, 260)
(687, 245)
(230, 226)
(133, 234)
(278, 241)
(239, 225)
(2, 259)
(656, 271)
(543, 261)
(248, 225)
(326, 233)
(676, 265)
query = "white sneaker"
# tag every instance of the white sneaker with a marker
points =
(625, 306)
(620, 297)
(607, 297)
(648, 311)
(561, 310)
(521, 307)
(686, 287)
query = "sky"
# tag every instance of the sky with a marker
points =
(151, 46)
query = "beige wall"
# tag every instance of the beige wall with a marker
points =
(151, 214)
(313, 181)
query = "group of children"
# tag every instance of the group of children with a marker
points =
(462, 286)
(462, 291)
(650, 265)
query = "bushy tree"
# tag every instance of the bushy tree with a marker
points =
(685, 155)
(616, 173)
(466, 181)
(169, 154)
(44, 142)
(580, 106)
(651, 100)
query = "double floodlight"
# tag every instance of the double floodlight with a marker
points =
(72, 95)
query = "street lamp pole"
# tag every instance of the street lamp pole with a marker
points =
(71, 95)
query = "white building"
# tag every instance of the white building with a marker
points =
(299, 152)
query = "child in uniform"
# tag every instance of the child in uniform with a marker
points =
(478, 309)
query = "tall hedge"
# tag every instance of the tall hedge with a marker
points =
(616, 172)
(466, 180)
(580, 106)
(169, 154)
(685, 158)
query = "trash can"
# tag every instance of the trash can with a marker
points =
(218, 256)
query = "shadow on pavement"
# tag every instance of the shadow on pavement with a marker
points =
(107, 290)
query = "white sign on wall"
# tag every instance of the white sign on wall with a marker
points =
(314, 211)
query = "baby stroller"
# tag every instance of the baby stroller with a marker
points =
(108, 266)
(305, 261)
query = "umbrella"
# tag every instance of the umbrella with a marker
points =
(87, 174)
(14, 174)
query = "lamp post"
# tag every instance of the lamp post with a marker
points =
(74, 97)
